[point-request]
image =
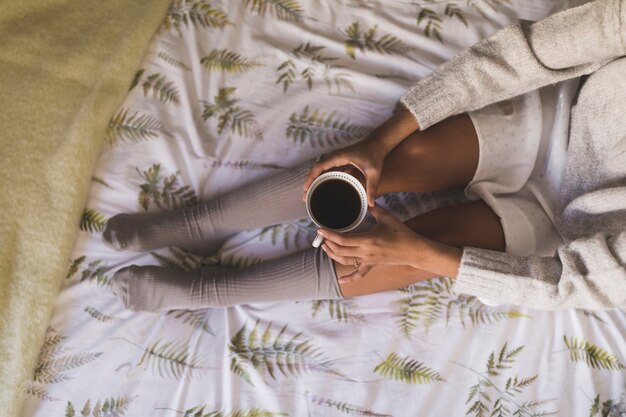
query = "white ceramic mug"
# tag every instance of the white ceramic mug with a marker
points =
(354, 183)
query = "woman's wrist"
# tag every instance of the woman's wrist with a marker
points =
(394, 130)
(435, 257)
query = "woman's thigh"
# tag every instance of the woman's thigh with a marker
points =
(444, 156)
(469, 224)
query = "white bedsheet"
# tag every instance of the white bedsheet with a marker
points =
(230, 92)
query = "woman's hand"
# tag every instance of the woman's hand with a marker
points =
(368, 155)
(390, 242)
(365, 156)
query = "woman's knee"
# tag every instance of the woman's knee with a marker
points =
(469, 224)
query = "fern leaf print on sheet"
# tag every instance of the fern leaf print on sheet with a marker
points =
(407, 370)
(427, 302)
(133, 127)
(171, 359)
(492, 395)
(309, 63)
(164, 191)
(196, 13)
(230, 115)
(92, 221)
(362, 40)
(287, 10)
(228, 61)
(273, 353)
(56, 363)
(595, 357)
(319, 128)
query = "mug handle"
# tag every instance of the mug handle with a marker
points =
(318, 241)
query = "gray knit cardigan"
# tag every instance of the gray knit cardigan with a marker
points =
(589, 269)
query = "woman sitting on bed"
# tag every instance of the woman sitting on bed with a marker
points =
(545, 171)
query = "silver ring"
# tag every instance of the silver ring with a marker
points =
(356, 263)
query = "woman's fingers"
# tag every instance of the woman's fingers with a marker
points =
(343, 260)
(341, 239)
(330, 162)
(358, 273)
(371, 185)
(346, 251)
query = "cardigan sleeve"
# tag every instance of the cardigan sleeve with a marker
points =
(520, 58)
(585, 273)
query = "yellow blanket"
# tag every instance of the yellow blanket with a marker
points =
(65, 65)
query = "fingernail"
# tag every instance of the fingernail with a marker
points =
(319, 232)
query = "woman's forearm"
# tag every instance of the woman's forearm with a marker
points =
(394, 130)
(521, 58)
(437, 258)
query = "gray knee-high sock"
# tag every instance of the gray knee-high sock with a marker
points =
(205, 226)
(305, 275)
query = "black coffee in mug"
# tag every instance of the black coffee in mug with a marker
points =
(335, 204)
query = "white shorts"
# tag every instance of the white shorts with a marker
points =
(510, 135)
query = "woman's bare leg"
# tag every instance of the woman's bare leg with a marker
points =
(469, 224)
(443, 157)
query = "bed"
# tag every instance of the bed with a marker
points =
(233, 91)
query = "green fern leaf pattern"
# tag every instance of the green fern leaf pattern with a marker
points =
(322, 129)
(39, 390)
(287, 10)
(74, 266)
(309, 63)
(407, 370)
(95, 272)
(54, 363)
(286, 74)
(367, 40)
(100, 181)
(98, 315)
(481, 395)
(164, 191)
(478, 313)
(296, 233)
(454, 11)
(433, 23)
(423, 302)
(429, 301)
(582, 350)
(201, 411)
(340, 310)
(159, 87)
(198, 13)
(228, 61)
(273, 354)
(601, 408)
(344, 407)
(133, 128)
(230, 115)
(92, 221)
(197, 319)
(137, 79)
(69, 410)
(171, 359)
(496, 364)
(176, 63)
(109, 407)
(245, 165)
